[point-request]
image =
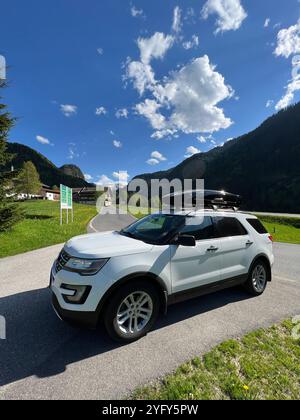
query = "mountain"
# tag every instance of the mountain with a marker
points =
(72, 170)
(263, 165)
(49, 173)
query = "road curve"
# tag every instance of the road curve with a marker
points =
(104, 221)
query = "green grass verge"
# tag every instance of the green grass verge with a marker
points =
(283, 229)
(40, 227)
(265, 364)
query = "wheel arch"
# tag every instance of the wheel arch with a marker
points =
(265, 259)
(155, 280)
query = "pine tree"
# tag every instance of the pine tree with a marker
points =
(9, 212)
(28, 180)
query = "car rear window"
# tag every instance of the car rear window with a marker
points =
(257, 225)
(229, 226)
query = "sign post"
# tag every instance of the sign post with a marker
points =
(66, 202)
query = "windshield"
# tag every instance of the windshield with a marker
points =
(155, 229)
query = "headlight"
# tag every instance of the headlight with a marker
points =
(85, 267)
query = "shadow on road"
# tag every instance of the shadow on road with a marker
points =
(38, 343)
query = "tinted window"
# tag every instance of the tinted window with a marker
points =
(229, 226)
(257, 225)
(154, 229)
(200, 227)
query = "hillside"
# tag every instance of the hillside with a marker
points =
(263, 165)
(72, 170)
(49, 173)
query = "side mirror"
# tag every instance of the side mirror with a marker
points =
(185, 240)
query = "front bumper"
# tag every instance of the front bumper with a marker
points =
(87, 319)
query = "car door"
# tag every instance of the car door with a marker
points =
(192, 267)
(235, 246)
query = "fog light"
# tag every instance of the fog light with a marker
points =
(80, 293)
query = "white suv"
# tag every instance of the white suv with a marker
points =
(127, 278)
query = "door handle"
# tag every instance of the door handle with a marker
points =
(249, 243)
(212, 249)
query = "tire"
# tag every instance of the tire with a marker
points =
(126, 323)
(258, 277)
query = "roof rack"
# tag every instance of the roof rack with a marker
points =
(215, 200)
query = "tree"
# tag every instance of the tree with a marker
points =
(28, 181)
(10, 212)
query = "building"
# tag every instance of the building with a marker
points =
(48, 193)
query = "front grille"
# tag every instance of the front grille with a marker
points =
(62, 260)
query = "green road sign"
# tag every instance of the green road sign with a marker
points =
(66, 201)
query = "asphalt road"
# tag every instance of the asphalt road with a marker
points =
(105, 221)
(43, 357)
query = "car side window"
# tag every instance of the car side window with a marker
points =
(229, 226)
(200, 227)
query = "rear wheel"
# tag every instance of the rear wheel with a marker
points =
(258, 278)
(132, 311)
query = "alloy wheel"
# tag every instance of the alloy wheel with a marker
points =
(134, 313)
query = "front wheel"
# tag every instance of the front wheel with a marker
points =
(132, 311)
(258, 278)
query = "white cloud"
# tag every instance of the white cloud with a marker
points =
(190, 15)
(88, 177)
(186, 100)
(288, 98)
(202, 139)
(68, 110)
(43, 140)
(100, 51)
(288, 41)
(72, 151)
(140, 72)
(105, 181)
(117, 144)
(101, 111)
(157, 155)
(267, 23)
(192, 95)
(191, 151)
(269, 103)
(141, 75)
(194, 42)
(121, 176)
(149, 109)
(152, 162)
(231, 14)
(154, 47)
(122, 113)
(177, 26)
(136, 12)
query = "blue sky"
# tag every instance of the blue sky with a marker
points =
(202, 72)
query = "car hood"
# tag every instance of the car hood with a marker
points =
(104, 245)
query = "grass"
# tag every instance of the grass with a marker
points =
(283, 229)
(40, 227)
(265, 364)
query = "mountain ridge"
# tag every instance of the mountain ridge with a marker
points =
(49, 173)
(263, 165)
